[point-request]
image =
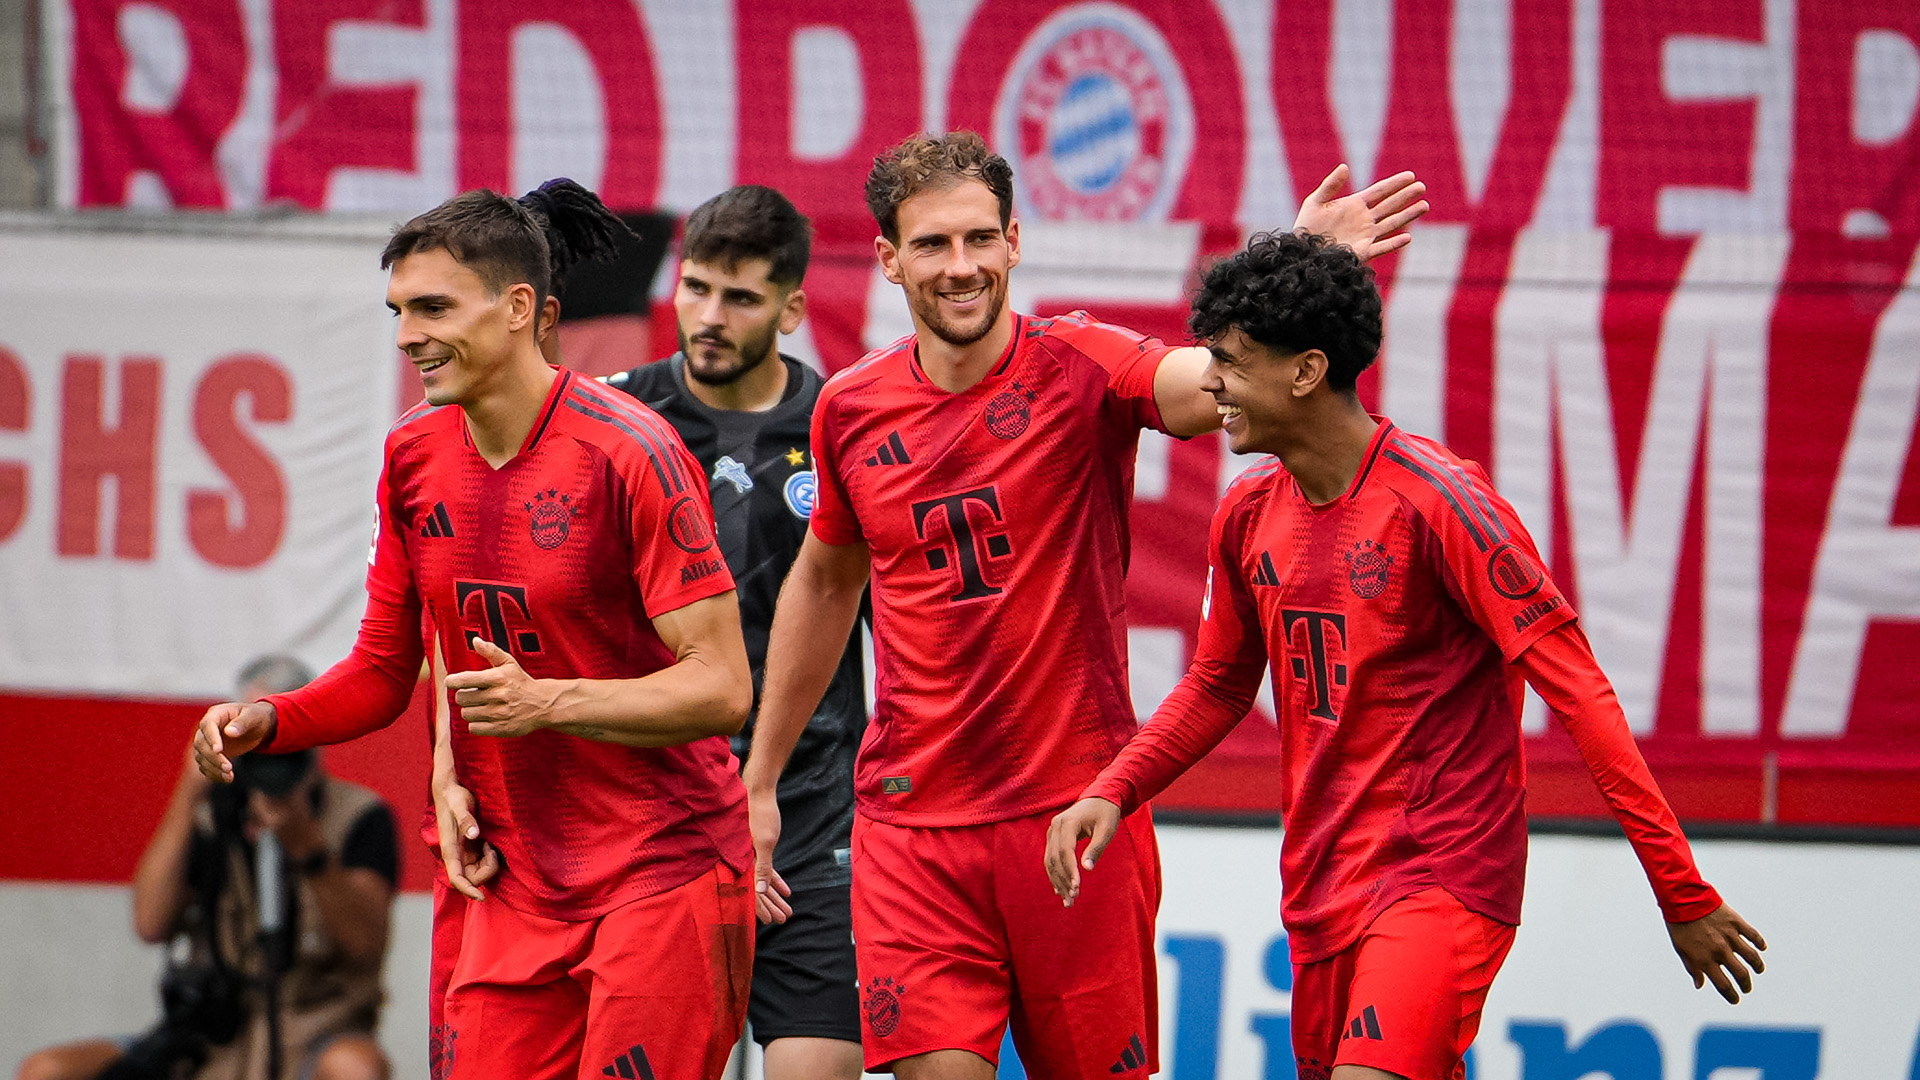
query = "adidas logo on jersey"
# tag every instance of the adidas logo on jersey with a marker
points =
(891, 452)
(1264, 573)
(632, 1065)
(438, 523)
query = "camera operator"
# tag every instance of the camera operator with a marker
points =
(317, 952)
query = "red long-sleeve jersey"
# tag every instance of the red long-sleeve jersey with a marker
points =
(1398, 621)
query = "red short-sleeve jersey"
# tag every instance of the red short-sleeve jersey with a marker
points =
(562, 557)
(997, 522)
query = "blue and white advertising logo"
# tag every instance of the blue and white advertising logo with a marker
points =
(1096, 115)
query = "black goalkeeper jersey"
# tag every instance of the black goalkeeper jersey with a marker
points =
(760, 473)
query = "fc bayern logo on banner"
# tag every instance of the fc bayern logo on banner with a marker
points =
(1096, 115)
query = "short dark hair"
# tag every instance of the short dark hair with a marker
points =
(1294, 292)
(934, 163)
(750, 221)
(494, 236)
(578, 227)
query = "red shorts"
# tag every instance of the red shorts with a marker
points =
(1406, 997)
(655, 988)
(449, 912)
(957, 932)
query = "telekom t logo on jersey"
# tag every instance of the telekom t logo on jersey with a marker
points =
(497, 603)
(1325, 634)
(963, 547)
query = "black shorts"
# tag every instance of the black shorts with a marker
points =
(804, 985)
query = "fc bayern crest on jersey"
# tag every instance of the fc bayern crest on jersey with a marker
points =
(799, 493)
(1367, 567)
(550, 518)
(1096, 115)
(1007, 415)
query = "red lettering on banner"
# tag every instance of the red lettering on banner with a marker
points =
(91, 451)
(16, 408)
(247, 465)
(1837, 168)
(1087, 106)
(178, 141)
(828, 189)
(1649, 141)
(321, 125)
(610, 33)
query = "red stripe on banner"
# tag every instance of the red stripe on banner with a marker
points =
(87, 779)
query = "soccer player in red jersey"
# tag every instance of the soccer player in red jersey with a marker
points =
(1399, 602)
(980, 471)
(559, 535)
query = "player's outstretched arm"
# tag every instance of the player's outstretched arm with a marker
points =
(1713, 941)
(811, 624)
(1373, 221)
(1093, 820)
(706, 691)
(1720, 947)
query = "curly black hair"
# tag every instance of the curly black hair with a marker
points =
(1294, 292)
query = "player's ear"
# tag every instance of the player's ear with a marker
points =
(520, 307)
(1013, 243)
(889, 259)
(794, 311)
(1309, 371)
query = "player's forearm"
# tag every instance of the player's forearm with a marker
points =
(1185, 409)
(1206, 704)
(1562, 668)
(696, 697)
(811, 626)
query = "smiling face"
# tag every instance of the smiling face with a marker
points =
(730, 320)
(455, 331)
(952, 260)
(1260, 390)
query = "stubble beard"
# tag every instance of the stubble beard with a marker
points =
(958, 336)
(750, 354)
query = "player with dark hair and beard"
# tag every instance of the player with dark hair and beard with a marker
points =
(743, 409)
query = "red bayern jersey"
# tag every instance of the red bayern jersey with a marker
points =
(1390, 618)
(562, 557)
(997, 522)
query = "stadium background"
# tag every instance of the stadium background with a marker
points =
(1668, 293)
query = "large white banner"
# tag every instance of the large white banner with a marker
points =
(190, 430)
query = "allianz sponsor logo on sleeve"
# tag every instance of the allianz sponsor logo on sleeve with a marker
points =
(1096, 115)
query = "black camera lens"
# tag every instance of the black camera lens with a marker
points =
(273, 775)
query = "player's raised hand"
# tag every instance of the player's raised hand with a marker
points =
(470, 861)
(1093, 820)
(1371, 222)
(770, 890)
(1720, 946)
(503, 700)
(227, 731)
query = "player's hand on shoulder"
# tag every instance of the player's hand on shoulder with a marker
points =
(228, 730)
(1720, 947)
(1093, 820)
(1372, 222)
(503, 700)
